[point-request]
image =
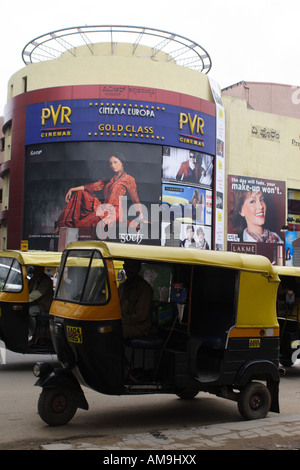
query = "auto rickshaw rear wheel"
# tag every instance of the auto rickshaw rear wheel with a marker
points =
(57, 406)
(254, 401)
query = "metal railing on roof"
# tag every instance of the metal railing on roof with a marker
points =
(179, 49)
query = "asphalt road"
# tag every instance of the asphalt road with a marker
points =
(108, 417)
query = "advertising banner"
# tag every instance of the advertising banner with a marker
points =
(256, 213)
(122, 121)
(99, 168)
(290, 239)
(187, 167)
(104, 190)
(186, 209)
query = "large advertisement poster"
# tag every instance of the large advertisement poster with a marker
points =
(187, 198)
(290, 238)
(256, 213)
(187, 166)
(108, 168)
(103, 190)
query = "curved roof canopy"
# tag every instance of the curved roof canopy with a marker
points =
(183, 51)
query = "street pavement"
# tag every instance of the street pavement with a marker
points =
(271, 433)
(178, 430)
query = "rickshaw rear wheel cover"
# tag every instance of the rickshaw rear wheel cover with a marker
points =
(57, 406)
(254, 401)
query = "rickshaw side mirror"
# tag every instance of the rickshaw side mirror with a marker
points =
(121, 276)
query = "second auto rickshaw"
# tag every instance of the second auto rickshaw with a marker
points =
(14, 301)
(288, 302)
(214, 329)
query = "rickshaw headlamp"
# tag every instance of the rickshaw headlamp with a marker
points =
(104, 329)
(36, 370)
(41, 368)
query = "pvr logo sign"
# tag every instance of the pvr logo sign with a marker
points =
(61, 114)
(194, 125)
(53, 118)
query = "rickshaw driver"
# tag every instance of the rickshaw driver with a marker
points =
(40, 289)
(136, 297)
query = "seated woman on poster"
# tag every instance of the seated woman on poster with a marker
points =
(84, 209)
(249, 215)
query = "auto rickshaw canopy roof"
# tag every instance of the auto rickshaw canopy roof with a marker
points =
(288, 270)
(224, 259)
(33, 258)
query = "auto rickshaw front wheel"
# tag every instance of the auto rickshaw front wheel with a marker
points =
(187, 393)
(254, 401)
(57, 406)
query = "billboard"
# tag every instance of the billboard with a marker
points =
(103, 189)
(100, 168)
(256, 213)
(120, 120)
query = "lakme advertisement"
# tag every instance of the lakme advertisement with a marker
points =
(256, 213)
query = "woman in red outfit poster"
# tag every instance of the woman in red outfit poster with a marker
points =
(84, 209)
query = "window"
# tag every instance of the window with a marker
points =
(84, 278)
(24, 84)
(10, 275)
(293, 206)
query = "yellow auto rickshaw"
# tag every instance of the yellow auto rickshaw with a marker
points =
(288, 302)
(214, 329)
(15, 269)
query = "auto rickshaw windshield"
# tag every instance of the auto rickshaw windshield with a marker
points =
(83, 277)
(10, 275)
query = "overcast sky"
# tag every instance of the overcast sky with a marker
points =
(258, 40)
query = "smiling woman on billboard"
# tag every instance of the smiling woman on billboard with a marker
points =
(248, 216)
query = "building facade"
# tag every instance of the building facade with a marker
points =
(160, 115)
(70, 121)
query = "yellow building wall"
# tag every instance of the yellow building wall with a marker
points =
(112, 65)
(262, 145)
(258, 154)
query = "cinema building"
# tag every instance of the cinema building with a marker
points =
(119, 133)
(86, 95)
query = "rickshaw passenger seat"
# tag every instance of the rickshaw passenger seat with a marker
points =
(213, 342)
(146, 342)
